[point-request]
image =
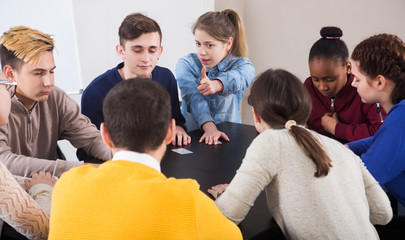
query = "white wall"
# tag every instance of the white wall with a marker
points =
(280, 33)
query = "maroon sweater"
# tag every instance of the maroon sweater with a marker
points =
(357, 120)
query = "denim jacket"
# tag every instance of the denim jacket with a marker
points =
(235, 73)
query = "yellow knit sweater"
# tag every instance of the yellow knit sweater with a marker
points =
(128, 200)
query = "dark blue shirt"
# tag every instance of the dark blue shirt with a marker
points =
(93, 96)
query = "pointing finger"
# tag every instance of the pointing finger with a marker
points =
(203, 73)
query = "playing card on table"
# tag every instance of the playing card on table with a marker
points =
(182, 151)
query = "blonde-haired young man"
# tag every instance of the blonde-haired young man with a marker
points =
(41, 113)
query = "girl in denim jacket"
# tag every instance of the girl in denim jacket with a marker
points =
(213, 79)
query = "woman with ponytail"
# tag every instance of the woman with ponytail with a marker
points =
(213, 79)
(316, 188)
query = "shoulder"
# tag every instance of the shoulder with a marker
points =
(275, 135)
(110, 75)
(237, 61)
(399, 108)
(191, 57)
(308, 82)
(165, 78)
(89, 175)
(189, 64)
(77, 182)
(57, 92)
(103, 83)
(57, 97)
(161, 72)
(311, 89)
(395, 117)
(107, 74)
(75, 176)
(333, 147)
(268, 141)
(241, 60)
(241, 64)
(190, 60)
(184, 184)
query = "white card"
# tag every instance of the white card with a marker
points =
(182, 151)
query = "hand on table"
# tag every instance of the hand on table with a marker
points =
(329, 122)
(212, 134)
(208, 87)
(40, 178)
(182, 137)
(217, 190)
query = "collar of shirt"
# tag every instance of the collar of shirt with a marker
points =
(142, 158)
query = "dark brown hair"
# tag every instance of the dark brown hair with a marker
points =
(137, 114)
(383, 54)
(136, 24)
(223, 25)
(278, 96)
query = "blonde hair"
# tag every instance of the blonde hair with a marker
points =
(222, 26)
(26, 44)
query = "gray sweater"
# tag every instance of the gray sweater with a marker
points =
(343, 205)
(28, 142)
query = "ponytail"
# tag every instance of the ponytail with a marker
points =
(278, 96)
(222, 26)
(312, 148)
(239, 48)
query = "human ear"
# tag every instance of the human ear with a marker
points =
(120, 51)
(9, 73)
(348, 67)
(160, 53)
(171, 131)
(229, 43)
(256, 116)
(106, 136)
(380, 82)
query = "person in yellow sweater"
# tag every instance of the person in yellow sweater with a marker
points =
(128, 197)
